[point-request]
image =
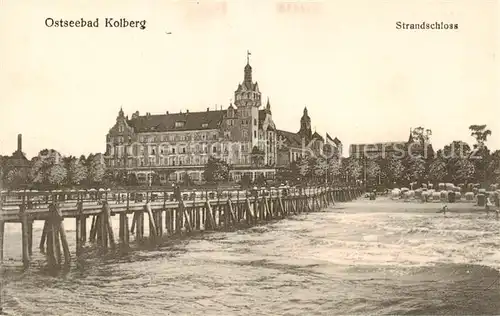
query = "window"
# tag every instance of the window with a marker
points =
(179, 124)
(120, 128)
(183, 150)
(214, 149)
(214, 136)
(204, 125)
(255, 134)
(254, 121)
(173, 150)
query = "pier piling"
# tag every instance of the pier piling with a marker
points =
(178, 214)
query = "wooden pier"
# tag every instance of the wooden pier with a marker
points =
(165, 213)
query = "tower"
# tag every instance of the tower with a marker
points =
(305, 126)
(268, 107)
(120, 113)
(20, 143)
(248, 100)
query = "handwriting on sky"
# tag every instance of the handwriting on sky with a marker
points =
(298, 7)
(203, 10)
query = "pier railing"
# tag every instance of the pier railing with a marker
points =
(168, 213)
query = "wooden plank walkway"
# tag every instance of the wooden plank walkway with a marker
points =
(187, 213)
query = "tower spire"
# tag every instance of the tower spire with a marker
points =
(247, 81)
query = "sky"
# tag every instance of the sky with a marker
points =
(361, 79)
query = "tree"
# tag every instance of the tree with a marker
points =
(394, 170)
(41, 171)
(216, 170)
(414, 169)
(421, 135)
(303, 169)
(493, 169)
(95, 169)
(352, 168)
(464, 171)
(372, 170)
(437, 170)
(480, 133)
(76, 171)
(320, 169)
(333, 169)
(16, 177)
(456, 159)
(481, 153)
(57, 174)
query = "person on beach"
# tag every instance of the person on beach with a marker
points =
(487, 206)
(443, 209)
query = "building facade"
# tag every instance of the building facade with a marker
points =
(15, 167)
(305, 143)
(176, 145)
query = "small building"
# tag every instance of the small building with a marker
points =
(15, 168)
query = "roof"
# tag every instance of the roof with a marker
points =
(247, 86)
(336, 141)
(166, 122)
(18, 159)
(262, 118)
(291, 139)
(317, 136)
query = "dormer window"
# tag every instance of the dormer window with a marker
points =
(179, 124)
(204, 125)
(120, 128)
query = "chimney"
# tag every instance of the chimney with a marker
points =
(19, 142)
(187, 111)
(208, 109)
(167, 112)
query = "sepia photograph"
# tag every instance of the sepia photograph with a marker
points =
(249, 157)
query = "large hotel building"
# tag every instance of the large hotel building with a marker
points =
(176, 145)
